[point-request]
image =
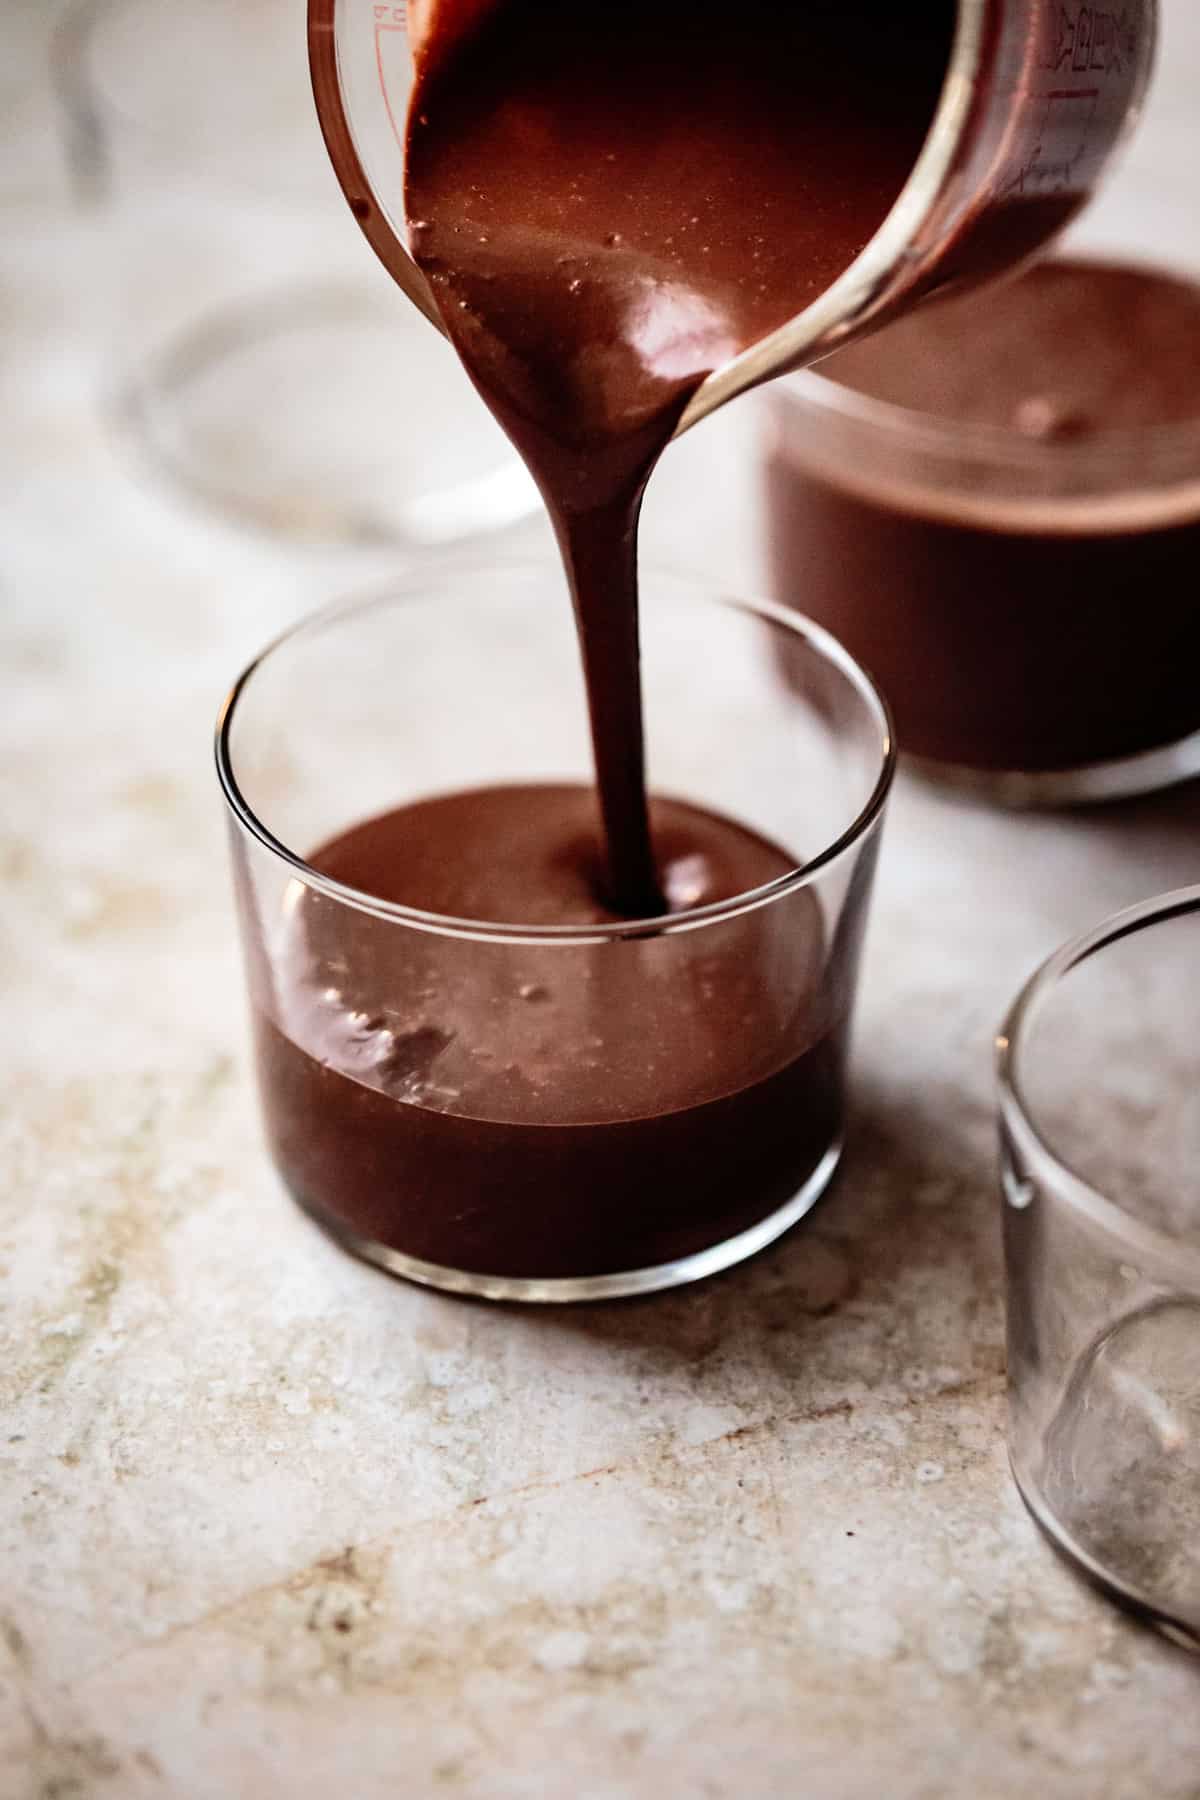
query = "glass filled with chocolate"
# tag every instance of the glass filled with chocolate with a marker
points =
(478, 1067)
(995, 503)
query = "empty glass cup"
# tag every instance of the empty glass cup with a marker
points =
(1100, 1130)
(252, 349)
(510, 1106)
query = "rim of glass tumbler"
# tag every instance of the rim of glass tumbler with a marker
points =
(997, 443)
(415, 587)
(1178, 1260)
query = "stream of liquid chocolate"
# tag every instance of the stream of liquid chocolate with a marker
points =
(609, 203)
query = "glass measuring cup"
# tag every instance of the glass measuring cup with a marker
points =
(1035, 100)
(248, 351)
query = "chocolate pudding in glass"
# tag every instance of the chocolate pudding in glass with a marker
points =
(995, 504)
(474, 1070)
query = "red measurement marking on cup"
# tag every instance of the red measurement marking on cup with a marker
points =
(1057, 160)
(389, 18)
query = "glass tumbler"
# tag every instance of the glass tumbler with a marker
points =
(252, 350)
(1026, 604)
(529, 1111)
(1100, 1130)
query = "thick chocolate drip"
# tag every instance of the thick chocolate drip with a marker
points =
(611, 202)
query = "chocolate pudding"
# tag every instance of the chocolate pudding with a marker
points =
(1010, 541)
(611, 202)
(580, 1107)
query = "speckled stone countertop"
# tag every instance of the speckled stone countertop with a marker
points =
(270, 1523)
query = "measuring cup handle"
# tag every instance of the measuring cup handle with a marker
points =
(339, 141)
